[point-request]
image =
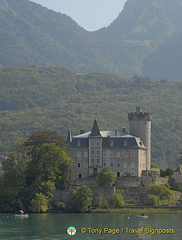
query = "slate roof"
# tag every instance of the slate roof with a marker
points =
(95, 130)
(122, 139)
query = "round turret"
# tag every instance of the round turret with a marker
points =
(140, 126)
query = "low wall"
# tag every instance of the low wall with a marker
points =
(66, 195)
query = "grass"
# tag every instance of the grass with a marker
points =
(139, 210)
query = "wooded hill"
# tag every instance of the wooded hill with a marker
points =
(51, 98)
(144, 40)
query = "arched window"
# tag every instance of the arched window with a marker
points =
(80, 176)
(118, 174)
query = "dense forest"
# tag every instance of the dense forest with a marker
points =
(144, 39)
(52, 98)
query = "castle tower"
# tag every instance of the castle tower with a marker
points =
(140, 126)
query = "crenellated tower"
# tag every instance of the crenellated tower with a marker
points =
(140, 125)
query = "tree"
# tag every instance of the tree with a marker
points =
(118, 201)
(13, 184)
(167, 172)
(37, 166)
(100, 202)
(154, 165)
(82, 199)
(106, 177)
(162, 191)
(152, 200)
(40, 203)
(49, 162)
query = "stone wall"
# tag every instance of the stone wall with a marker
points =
(123, 182)
(147, 179)
(89, 181)
(66, 195)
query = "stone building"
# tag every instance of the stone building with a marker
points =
(128, 154)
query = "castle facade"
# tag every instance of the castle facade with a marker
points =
(128, 154)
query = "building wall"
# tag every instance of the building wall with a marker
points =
(177, 176)
(123, 161)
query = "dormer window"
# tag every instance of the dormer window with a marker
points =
(78, 143)
(125, 143)
(112, 143)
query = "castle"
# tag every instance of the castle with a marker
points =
(128, 154)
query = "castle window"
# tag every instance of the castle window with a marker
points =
(125, 143)
(132, 164)
(92, 152)
(79, 165)
(104, 164)
(112, 143)
(80, 176)
(118, 164)
(93, 161)
(98, 152)
(118, 154)
(97, 160)
(125, 165)
(125, 154)
(132, 173)
(111, 164)
(111, 154)
(132, 154)
(118, 174)
(92, 143)
(78, 143)
(78, 154)
(98, 143)
(85, 165)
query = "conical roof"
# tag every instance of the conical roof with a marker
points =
(95, 130)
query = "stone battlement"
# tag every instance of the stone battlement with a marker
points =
(139, 115)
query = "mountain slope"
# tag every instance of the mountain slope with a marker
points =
(134, 44)
(52, 98)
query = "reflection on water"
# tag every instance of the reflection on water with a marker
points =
(90, 226)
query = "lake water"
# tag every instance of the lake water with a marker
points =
(97, 226)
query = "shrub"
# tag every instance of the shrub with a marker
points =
(100, 202)
(82, 199)
(106, 177)
(118, 201)
(152, 200)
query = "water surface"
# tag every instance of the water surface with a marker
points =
(97, 226)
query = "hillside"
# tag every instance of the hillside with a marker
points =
(145, 36)
(52, 98)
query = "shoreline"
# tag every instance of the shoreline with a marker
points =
(139, 210)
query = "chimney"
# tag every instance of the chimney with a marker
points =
(82, 131)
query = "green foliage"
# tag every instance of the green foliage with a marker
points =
(82, 199)
(59, 206)
(100, 202)
(106, 177)
(37, 168)
(118, 201)
(162, 191)
(52, 98)
(152, 200)
(175, 186)
(40, 203)
(167, 172)
(154, 165)
(143, 184)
